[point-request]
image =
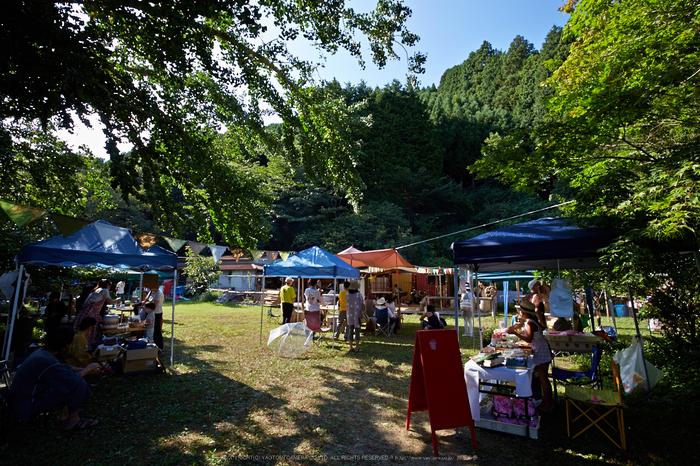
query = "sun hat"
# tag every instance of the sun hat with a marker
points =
(288, 280)
(381, 301)
(354, 285)
(527, 307)
(533, 283)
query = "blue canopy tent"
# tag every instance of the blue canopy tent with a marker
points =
(543, 244)
(309, 263)
(99, 244)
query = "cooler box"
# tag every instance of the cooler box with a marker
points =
(620, 310)
(140, 360)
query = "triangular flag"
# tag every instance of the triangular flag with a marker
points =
(145, 240)
(68, 225)
(256, 254)
(237, 252)
(284, 255)
(196, 247)
(216, 251)
(272, 255)
(21, 214)
(175, 244)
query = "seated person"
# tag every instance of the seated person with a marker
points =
(392, 313)
(561, 324)
(77, 352)
(382, 309)
(42, 382)
(55, 311)
(433, 319)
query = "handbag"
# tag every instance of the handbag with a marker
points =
(632, 363)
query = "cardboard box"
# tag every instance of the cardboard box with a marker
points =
(107, 353)
(572, 343)
(140, 360)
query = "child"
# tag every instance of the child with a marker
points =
(150, 320)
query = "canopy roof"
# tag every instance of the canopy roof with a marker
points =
(349, 250)
(544, 244)
(100, 244)
(312, 263)
(382, 258)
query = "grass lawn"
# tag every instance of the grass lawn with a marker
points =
(230, 399)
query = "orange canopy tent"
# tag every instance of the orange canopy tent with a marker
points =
(380, 258)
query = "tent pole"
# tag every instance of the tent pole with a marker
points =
(476, 283)
(172, 323)
(611, 308)
(641, 345)
(335, 310)
(262, 302)
(506, 287)
(456, 280)
(589, 303)
(13, 316)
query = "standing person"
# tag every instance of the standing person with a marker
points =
(92, 307)
(55, 311)
(120, 290)
(158, 299)
(287, 297)
(313, 296)
(43, 382)
(467, 305)
(149, 321)
(342, 311)
(355, 305)
(541, 352)
(397, 295)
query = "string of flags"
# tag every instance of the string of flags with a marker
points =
(21, 215)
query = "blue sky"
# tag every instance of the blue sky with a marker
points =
(449, 31)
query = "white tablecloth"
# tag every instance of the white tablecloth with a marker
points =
(474, 372)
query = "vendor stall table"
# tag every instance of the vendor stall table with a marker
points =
(478, 378)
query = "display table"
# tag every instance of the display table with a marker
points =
(474, 373)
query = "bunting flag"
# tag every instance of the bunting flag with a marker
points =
(375, 270)
(217, 251)
(145, 240)
(256, 254)
(272, 255)
(284, 255)
(196, 247)
(237, 253)
(21, 214)
(68, 225)
(175, 244)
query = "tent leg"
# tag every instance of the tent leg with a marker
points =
(172, 324)
(456, 277)
(13, 315)
(262, 305)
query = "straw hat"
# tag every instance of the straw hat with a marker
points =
(527, 307)
(354, 285)
(533, 283)
(288, 280)
(381, 301)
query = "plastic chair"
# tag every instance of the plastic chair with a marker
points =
(595, 408)
(590, 377)
(384, 324)
(272, 317)
(313, 321)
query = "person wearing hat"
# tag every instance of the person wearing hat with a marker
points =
(381, 305)
(287, 297)
(354, 303)
(531, 331)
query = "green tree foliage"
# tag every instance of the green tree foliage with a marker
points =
(201, 270)
(167, 77)
(622, 129)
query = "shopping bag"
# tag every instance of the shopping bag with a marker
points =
(632, 374)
